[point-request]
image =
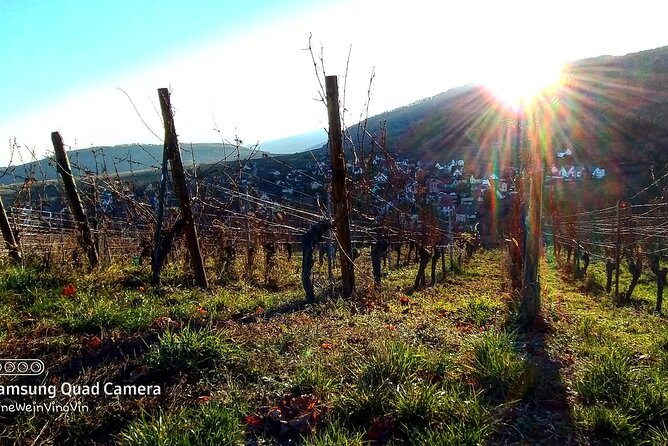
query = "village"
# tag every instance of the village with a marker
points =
(448, 190)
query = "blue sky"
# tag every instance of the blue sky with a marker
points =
(238, 68)
(51, 48)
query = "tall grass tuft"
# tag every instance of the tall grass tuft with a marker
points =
(207, 425)
(497, 366)
(607, 379)
(192, 350)
(393, 362)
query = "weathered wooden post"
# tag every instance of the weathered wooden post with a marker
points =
(618, 247)
(339, 195)
(450, 241)
(181, 188)
(74, 200)
(530, 304)
(8, 235)
(156, 261)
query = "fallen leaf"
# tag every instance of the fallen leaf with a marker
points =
(162, 322)
(94, 343)
(69, 290)
(326, 346)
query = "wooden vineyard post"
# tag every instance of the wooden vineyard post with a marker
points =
(181, 189)
(530, 303)
(618, 243)
(339, 194)
(74, 200)
(157, 260)
(450, 240)
(8, 235)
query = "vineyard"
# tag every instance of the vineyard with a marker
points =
(209, 307)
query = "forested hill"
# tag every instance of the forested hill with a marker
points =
(612, 110)
(126, 158)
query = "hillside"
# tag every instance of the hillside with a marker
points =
(126, 158)
(612, 110)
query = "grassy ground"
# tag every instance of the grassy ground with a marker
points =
(250, 362)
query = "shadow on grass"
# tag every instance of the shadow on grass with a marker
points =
(542, 414)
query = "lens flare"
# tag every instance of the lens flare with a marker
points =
(522, 83)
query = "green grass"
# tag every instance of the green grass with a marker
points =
(208, 425)
(498, 366)
(193, 351)
(446, 367)
(390, 363)
(617, 355)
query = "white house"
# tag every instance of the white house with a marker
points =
(380, 178)
(598, 173)
(566, 152)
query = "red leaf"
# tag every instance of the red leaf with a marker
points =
(326, 346)
(94, 343)
(161, 322)
(69, 290)
(254, 421)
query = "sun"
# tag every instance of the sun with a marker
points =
(522, 83)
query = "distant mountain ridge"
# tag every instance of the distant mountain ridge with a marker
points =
(126, 158)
